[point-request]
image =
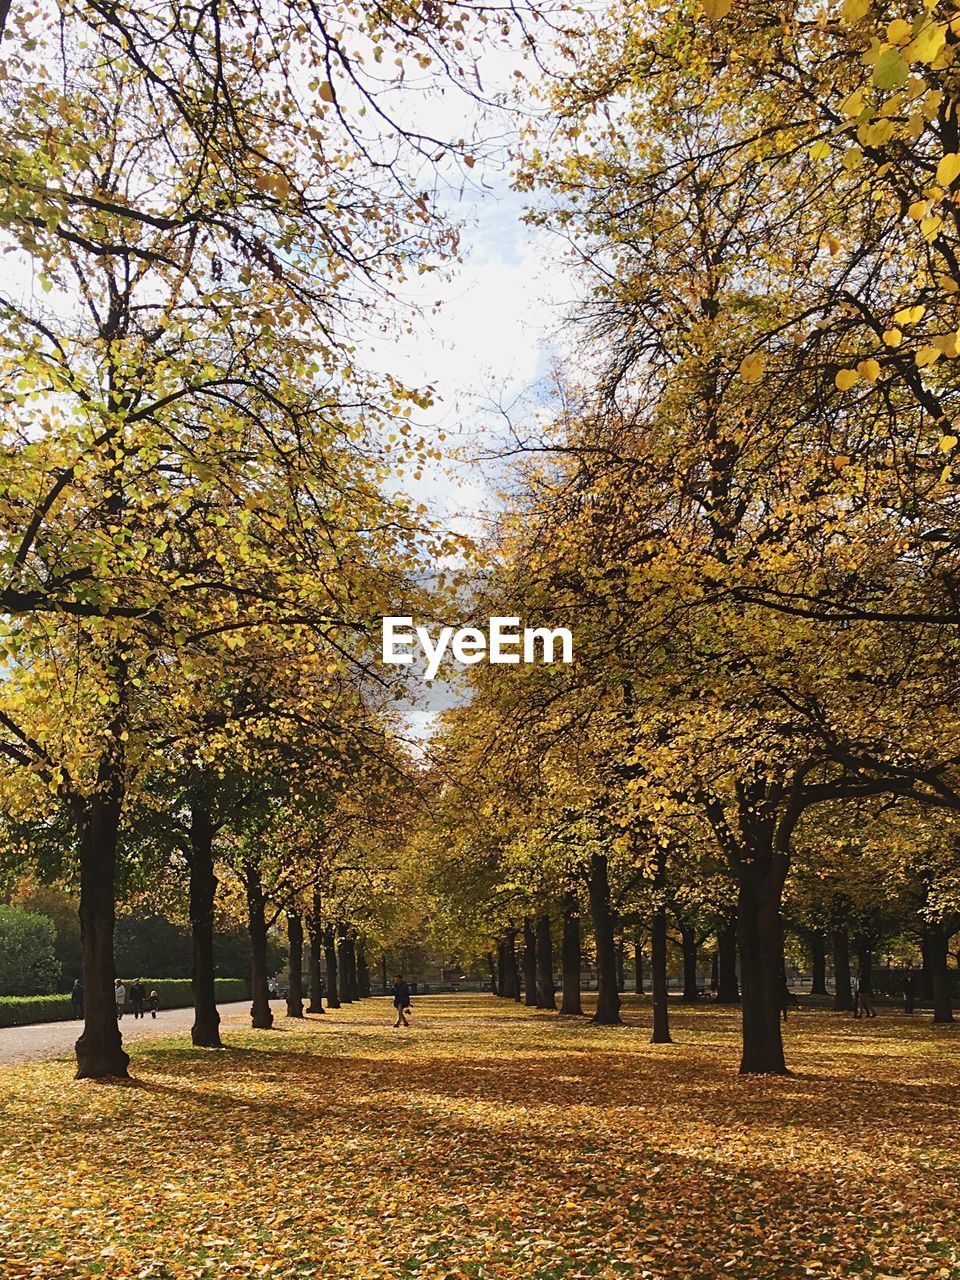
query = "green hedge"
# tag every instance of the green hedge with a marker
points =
(174, 993)
(177, 993)
(17, 1011)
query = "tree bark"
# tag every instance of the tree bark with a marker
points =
(865, 964)
(842, 990)
(546, 988)
(529, 962)
(363, 973)
(760, 939)
(728, 988)
(343, 966)
(261, 1014)
(570, 955)
(608, 999)
(658, 978)
(818, 961)
(205, 1032)
(99, 1049)
(937, 951)
(330, 959)
(688, 944)
(315, 934)
(295, 944)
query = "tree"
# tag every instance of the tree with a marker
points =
(28, 962)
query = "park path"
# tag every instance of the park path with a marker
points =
(56, 1039)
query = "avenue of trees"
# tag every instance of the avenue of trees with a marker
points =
(744, 505)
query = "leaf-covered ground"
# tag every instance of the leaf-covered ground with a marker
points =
(488, 1142)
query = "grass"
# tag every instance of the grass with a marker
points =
(488, 1142)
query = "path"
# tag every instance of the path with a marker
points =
(56, 1039)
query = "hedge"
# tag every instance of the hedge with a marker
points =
(174, 993)
(17, 1011)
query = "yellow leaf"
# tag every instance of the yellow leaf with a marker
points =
(909, 315)
(326, 91)
(892, 337)
(927, 43)
(948, 168)
(919, 209)
(751, 367)
(898, 31)
(855, 10)
(846, 378)
(716, 9)
(947, 443)
(927, 356)
(869, 369)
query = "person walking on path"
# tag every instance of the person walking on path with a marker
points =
(862, 1004)
(120, 996)
(153, 1004)
(908, 992)
(401, 1001)
(76, 999)
(138, 995)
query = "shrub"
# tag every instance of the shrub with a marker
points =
(177, 993)
(28, 960)
(17, 1011)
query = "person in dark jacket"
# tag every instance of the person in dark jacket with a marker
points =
(401, 1001)
(138, 994)
(76, 998)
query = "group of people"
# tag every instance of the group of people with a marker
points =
(140, 1002)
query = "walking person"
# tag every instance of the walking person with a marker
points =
(138, 996)
(908, 992)
(153, 1004)
(76, 999)
(401, 1001)
(120, 997)
(864, 1003)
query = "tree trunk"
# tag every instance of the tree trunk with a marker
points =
(608, 999)
(363, 973)
(546, 989)
(260, 1012)
(529, 962)
(383, 975)
(343, 966)
(330, 959)
(353, 985)
(688, 944)
(315, 934)
(658, 977)
(760, 938)
(570, 955)
(638, 962)
(99, 1049)
(865, 965)
(842, 990)
(509, 977)
(937, 951)
(728, 989)
(514, 966)
(818, 959)
(295, 944)
(205, 1032)
(491, 965)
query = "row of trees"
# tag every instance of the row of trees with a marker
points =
(746, 509)
(205, 214)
